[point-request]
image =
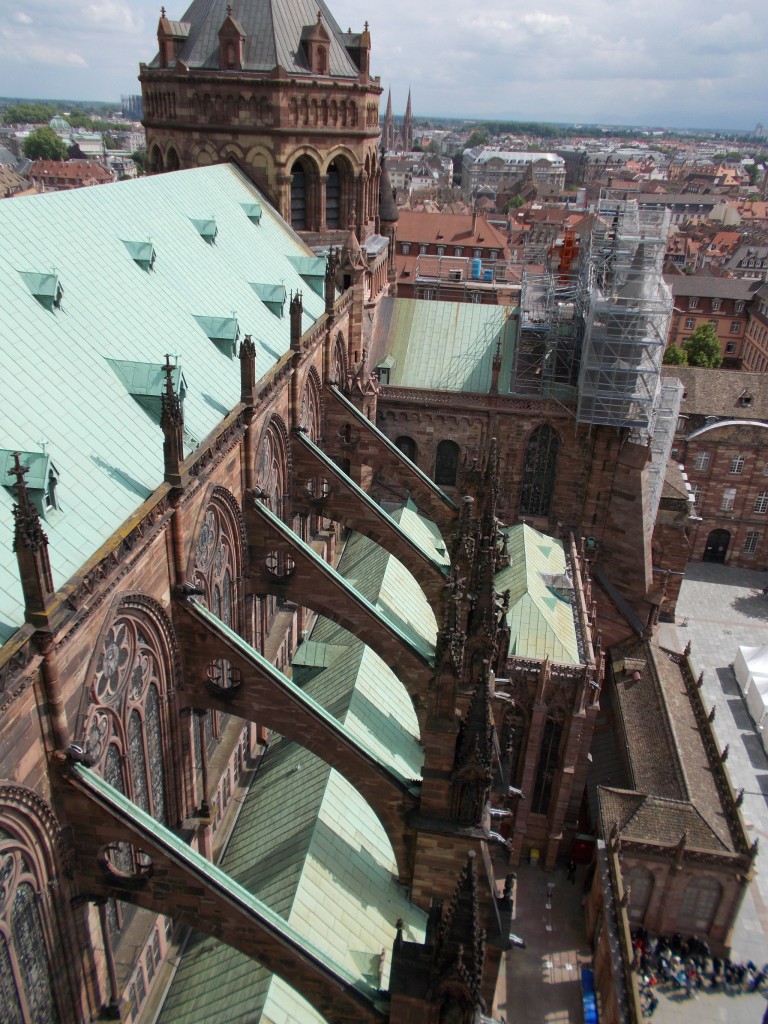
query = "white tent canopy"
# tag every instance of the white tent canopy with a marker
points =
(750, 661)
(751, 670)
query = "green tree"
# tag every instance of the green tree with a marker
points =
(675, 356)
(477, 138)
(139, 157)
(29, 113)
(703, 347)
(44, 144)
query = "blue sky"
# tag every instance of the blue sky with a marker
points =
(670, 62)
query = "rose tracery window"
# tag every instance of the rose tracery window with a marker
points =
(124, 728)
(26, 985)
(131, 672)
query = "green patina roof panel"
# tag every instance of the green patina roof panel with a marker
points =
(306, 842)
(540, 619)
(448, 345)
(109, 453)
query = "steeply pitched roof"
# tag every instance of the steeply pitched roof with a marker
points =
(709, 392)
(669, 765)
(57, 387)
(273, 32)
(706, 286)
(448, 229)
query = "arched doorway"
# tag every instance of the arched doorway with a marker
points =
(717, 546)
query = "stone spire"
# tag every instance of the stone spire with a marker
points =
(460, 949)
(31, 546)
(408, 125)
(388, 134)
(172, 422)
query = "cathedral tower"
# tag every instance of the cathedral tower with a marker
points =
(282, 91)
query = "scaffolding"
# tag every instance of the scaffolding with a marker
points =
(662, 436)
(465, 279)
(624, 308)
(546, 353)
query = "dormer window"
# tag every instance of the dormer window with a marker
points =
(145, 383)
(207, 230)
(316, 43)
(142, 253)
(231, 43)
(745, 399)
(46, 288)
(41, 481)
(223, 331)
(273, 297)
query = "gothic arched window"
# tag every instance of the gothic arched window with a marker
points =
(699, 905)
(133, 667)
(304, 185)
(447, 464)
(408, 447)
(311, 408)
(272, 469)
(218, 567)
(333, 197)
(548, 759)
(26, 984)
(512, 741)
(539, 471)
(639, 881)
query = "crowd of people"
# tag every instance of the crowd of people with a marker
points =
(678, 964)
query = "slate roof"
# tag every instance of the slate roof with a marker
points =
(445, 345)
(540, 618)
(673, 786)
(305, 842)
(707, 286)
(58, 390)
(717, 392)
(273, 32)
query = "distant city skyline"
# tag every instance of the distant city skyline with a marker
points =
(674, 63)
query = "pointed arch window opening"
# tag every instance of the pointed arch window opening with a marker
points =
(26, 984)
(217, 570)
(298, 198)
(446, 464)
(124, 730)
(539, 471)
(549, 755)
(333, 197)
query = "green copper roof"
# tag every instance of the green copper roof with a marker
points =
(540, 615)
(448, 345)
(306, 843)
(56, 381)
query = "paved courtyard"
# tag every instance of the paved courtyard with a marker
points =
(719, 609)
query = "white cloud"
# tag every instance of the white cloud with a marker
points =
(112, 16)
(634, 61)
(38, 53)
(21, 18)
